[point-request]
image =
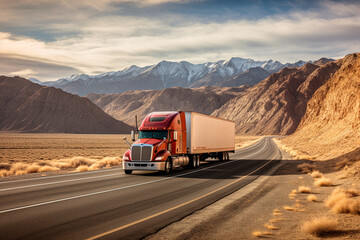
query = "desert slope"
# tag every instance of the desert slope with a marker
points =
(124, 106)
(277, 104)
(29, 107)
(330, 126)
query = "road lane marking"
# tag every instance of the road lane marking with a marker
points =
(180, 205)
(121, 188)
(62, 175)
(63, 181)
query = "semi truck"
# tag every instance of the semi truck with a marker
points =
(168, 140)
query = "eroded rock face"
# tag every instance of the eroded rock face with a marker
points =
(124, 106)
(332, 116)
(29, 107)
(277, 104)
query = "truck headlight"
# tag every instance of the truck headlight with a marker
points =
(125, 158)
(159, 158)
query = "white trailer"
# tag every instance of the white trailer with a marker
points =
(207, 134)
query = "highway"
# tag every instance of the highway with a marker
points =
(107, 204)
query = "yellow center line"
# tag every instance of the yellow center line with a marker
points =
(179, 206)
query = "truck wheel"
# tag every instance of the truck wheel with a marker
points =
(168, 166)
(192, 161)
(197, 161)
(128, 171)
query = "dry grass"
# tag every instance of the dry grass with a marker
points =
(320, 225)
(79, 163)
(257, 234)
(275, 220)
(306, 167)
(304, 189)
(25, 153)
(271, 227)
(344, 201)
(316, 174)
(288, 208)
(312, 198)
(32, 147)
(260, 234)
(323, 182)
(301, 178)
(277, 212)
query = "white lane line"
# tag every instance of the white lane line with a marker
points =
(62, 175)
(120, 188)
(63, 181)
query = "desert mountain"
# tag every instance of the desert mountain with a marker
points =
(124, 106)
(332, 120)
(29, 107)
(277, 104)
(167, 74)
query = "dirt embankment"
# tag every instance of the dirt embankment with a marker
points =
(329, 137)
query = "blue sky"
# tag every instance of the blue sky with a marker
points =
(48, 39)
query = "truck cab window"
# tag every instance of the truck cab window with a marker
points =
(153, 134)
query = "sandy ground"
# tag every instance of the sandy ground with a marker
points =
(35, 154)
(272, 207)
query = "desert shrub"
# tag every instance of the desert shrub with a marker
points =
(288, 208)
(311, 198)
(306, 167)
(320, 225)
(316, 174)
(304, 189)
(323, 182)
(32, 168)
(82, 168)
(48, 169)
(344, 201)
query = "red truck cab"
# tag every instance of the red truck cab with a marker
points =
(161, 135)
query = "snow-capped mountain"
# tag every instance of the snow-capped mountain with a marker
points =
(167, 74)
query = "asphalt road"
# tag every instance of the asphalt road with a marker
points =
(108, 204)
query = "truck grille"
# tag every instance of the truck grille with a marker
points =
(141, 153)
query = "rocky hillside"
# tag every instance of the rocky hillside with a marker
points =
(330, 126)
(29, 107)
(277, 104)
(124, 106)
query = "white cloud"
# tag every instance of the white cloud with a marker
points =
(112, 42)
(27, 73)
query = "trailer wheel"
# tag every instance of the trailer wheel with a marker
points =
(221, 156)
(128, 171)
(168, 166)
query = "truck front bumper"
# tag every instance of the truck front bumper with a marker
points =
(144, 166)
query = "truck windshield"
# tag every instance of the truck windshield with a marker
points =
(153, 134)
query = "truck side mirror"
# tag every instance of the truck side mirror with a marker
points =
(175, 136)
(133, 136)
